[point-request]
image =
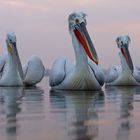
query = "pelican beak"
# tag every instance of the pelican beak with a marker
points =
(126, 54)
(10, 47)
(83, 37)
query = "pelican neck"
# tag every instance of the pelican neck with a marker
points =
(125, 68)
(80, 55)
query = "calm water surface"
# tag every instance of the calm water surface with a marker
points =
(38, 114)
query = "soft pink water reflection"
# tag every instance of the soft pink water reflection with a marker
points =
(41, 27)
(36, 113)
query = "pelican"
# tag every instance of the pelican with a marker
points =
(85, 74)
(11, 71)
(126, 74)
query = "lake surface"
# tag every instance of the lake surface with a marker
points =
(39, 114)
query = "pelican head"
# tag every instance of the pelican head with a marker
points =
(77, 25)
(123, 44)
(11, 41)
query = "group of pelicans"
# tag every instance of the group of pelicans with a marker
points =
(85, 74)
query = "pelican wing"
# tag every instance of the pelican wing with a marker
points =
(111, 74)
(98, 72)
(2, 64)
(136, 74)
(59, 71)
(3, 60)
(33, 71)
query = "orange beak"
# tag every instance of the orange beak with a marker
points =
(83, 37)
(127, 57)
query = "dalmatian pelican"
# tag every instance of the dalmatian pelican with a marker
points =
(126, 74)
(85, 74)
(11, 71)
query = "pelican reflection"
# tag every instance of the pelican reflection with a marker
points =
(78, 110)
(11, 97)
(33, 103)
(20, 106)
(124, 97)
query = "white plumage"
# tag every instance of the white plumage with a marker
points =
(85, 74)
(126, 74)
(11, 71)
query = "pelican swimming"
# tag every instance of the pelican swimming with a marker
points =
(11, 71)
(85, 74)
(126, 74)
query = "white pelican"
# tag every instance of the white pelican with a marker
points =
(12, 73)
(85, 74)
(126, 74)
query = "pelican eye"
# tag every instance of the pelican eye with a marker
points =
(9, 39)
(77, 20)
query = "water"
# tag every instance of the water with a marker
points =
(38, 114)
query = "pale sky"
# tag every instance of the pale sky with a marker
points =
(41, 27)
